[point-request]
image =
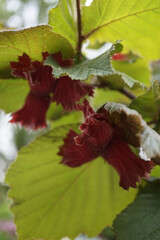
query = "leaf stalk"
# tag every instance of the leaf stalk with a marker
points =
(79, 25)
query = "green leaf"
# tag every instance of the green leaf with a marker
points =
(63, 201)
(136, 23)
(155, 172)
(108, 234)
(129, 81)
(63, 19)
(67, 119)
(147, 104)
(135, 130)
(140, 220)
(118, 80)
(5, 213)
(103, 95)
(138, 69)
(99, 66)
(12, 94)
(33, 41)
(82, 2)
(23, 137)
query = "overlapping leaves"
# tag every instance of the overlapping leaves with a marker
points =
(137, 68)
(100, 66)
(119, 80)
(58, 197)
(65, 201)
(33, 41)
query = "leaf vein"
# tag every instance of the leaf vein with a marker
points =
(118, 19)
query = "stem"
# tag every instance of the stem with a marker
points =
(79, 44)
(90, 33)
(127, 93)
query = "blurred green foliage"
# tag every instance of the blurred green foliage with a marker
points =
(5, 214)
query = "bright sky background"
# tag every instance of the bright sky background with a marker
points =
(29, 13)
(7, 147)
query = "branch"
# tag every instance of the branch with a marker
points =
(79, 44)
(127, 93)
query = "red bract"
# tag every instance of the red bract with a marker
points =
(62, 62)
(68, 91)
(100, 138)
(42, 84)
(41, 80)
(38, 75)
(20, 68)
(33, 113)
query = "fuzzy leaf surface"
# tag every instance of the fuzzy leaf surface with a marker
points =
(59, 197)
(98, 66)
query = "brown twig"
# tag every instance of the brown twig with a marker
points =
(79, 44)
(127, 93)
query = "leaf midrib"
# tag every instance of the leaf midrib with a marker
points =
(70, 184)
(119, 19)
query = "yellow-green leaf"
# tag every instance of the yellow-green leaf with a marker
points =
(52, 201)
(135, 22)
(12, 94)
(33, 41)
(63, 19)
